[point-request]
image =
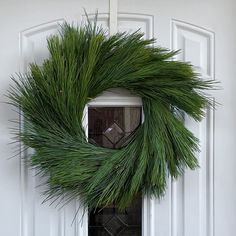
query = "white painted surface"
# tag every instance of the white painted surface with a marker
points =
(202, 203)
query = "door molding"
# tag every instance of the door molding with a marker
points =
(171, 215)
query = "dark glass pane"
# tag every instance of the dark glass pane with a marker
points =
(110, 127)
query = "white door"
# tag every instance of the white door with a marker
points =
(202, 203)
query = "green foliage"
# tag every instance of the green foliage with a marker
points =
(83, 63)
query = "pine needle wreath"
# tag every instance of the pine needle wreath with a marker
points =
(83, 63)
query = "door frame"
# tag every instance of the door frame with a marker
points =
(120, 98)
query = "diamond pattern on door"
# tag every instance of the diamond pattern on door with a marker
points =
(111, 127)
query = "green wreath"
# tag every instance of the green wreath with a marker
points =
(83, 63)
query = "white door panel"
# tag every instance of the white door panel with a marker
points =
(202, 203)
